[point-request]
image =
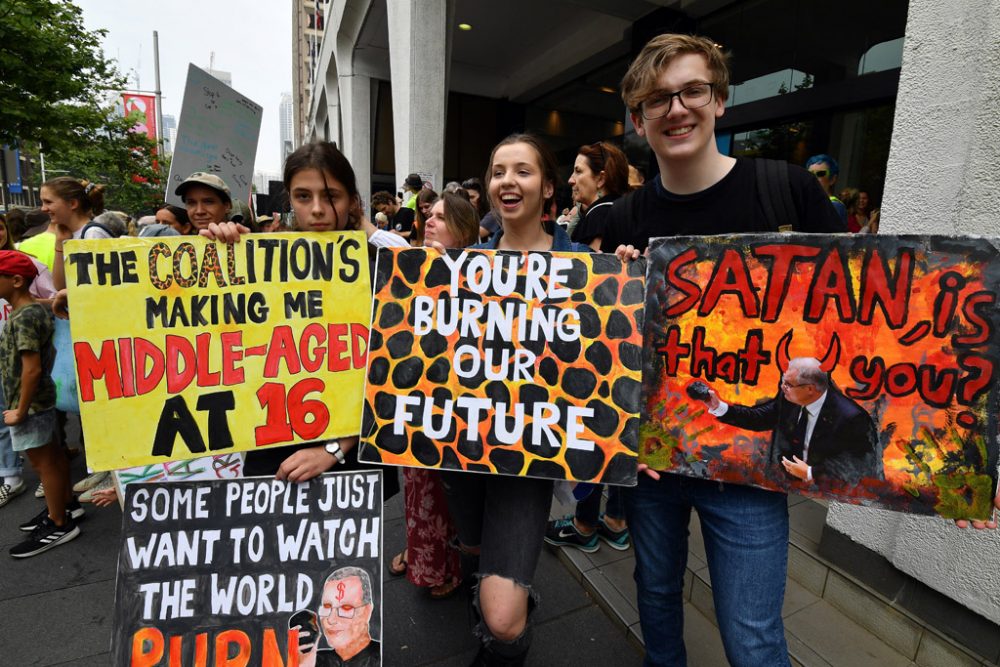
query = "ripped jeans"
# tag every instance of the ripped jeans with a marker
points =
(505, 517)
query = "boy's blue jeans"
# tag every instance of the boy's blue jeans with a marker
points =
(746, 542)
(10, 461)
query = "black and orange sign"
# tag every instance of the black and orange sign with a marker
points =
(858, 368)
(512, 363)
(250, 572)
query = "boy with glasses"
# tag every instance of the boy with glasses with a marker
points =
(675, 90)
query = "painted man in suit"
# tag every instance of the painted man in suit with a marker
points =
(819, 434)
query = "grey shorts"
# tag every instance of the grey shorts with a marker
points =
(36, 430)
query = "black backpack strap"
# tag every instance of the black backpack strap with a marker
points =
(774, 191)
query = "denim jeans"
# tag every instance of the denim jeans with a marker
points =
(746, 542)
(588, 510)
(10, 461)
(504, 516)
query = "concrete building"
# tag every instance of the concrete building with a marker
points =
(286, 122)
(169, 133)
(401, 86)
(308, 23)
(223, 76)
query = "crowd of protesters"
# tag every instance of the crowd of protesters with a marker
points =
(461, 527)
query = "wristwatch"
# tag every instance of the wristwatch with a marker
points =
(333, 447)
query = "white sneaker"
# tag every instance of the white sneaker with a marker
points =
(88, 495)
(40, 491)
(8, 492)
(89, 482)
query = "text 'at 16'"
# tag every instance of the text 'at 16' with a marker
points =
(291, 411)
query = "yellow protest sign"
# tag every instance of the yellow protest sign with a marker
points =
(186, 347)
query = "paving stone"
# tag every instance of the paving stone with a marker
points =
(82, 613)
(873, 614)
(807, 520)
(696, 542)
(589, 631)
(802, 655)
(805, 569)
(797, 597)
(619, 574)
(558, 592)
(839, 640)
(86, 661)
(936, 652)
(695, 562)
(795, 499)
(701, 597)
(702, 640)
(576, 559)
(865, 565)
(606, 555)
(611, 599)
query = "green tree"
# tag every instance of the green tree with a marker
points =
(118, 158)
(51, 72)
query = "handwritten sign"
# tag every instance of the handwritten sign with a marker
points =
(217, 133)
(250, 572)
(223, 466)
(511, 363)
(203, 348)
(858, 368)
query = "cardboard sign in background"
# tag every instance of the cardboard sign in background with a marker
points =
(905, 326)
(465, 374)
(217, 133)
(233, 566)
(186, 347)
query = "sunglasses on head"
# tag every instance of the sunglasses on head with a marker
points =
(820, 173)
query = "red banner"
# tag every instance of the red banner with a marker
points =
(145, 107)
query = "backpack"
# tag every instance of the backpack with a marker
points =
(774, 191)
(107, 230)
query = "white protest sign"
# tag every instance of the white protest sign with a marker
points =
(217, 133)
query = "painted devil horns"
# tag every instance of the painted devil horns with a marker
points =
(828, 362)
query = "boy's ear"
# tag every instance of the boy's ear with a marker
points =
(637, 121)
(17, 282)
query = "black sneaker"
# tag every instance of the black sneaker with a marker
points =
(45, 536)
(73, 508)
(616, 539)
(563, 533)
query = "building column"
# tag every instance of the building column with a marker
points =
(356, 108)
(941, 179)
(418, 38)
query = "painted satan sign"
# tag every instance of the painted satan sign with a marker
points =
(857, 368)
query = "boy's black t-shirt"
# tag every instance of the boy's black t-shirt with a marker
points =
(731, 206)
(403, 220)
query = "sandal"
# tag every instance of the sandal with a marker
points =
(397, 567)
(445, 591)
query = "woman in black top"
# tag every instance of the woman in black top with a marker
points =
(600, 176)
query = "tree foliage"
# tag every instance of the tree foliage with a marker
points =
(58, 94)
(118, 158)
(53, 74)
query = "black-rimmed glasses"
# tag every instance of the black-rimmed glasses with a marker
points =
(693, 97)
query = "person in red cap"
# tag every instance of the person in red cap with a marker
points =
(26, 357)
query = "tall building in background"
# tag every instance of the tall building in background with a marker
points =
(308, 21)
(286, 120)
(224, 77)
(169, 131)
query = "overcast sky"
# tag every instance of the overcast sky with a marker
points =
(253, 40)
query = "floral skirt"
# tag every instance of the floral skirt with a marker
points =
(432, 559)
